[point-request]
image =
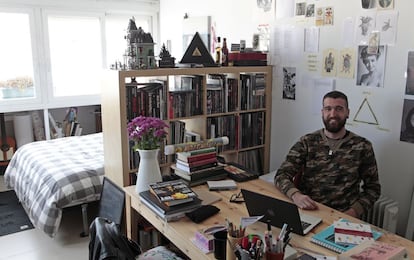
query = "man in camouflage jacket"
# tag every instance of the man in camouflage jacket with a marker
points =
(334, 162)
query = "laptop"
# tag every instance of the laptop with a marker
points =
(279, 212)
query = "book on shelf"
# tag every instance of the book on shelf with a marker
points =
(173, 192)
(352, 233)
(184, 156)
(326, 238)
(191, 169)
(147, 99)
(199, 175)
(197, 157)
(197, 163)
(225, 125)
(165, 212)
(375, 250)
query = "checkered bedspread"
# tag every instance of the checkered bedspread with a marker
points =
(50, 175)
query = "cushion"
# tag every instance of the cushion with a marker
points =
(158, 253)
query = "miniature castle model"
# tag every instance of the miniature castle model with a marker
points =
(140, 48)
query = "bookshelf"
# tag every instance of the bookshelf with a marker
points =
(212, 102)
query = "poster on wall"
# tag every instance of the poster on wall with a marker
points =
(409, 86)
(387, 24)
(346, 63)
(289, 83)
(385, 4)
(329, 63)
(371, 67)
(407, 122)
(264, 11)
(364, 25)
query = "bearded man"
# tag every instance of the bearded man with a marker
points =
(332, 166)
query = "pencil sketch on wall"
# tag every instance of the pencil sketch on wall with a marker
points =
(289, 83)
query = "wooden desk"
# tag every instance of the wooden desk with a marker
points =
(180, 232)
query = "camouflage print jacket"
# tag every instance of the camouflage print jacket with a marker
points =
(332, 175)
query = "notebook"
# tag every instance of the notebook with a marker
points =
(279, 212)
(326, 238)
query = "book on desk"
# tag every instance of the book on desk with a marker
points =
(173, 192)
(376, 250)
(326, 238)
(201, 176)
(165, 212)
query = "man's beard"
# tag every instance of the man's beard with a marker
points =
(334, 128)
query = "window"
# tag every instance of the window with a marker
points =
(16, 63)
(116, 30)
(53, 57)
(75, 55)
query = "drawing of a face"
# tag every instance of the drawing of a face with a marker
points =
(370, 62)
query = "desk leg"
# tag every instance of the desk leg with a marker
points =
(128, 211)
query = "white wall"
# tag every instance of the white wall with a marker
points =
(232, 17)
(291, 119)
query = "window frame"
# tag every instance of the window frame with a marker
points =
(41, 53)
(17, 103)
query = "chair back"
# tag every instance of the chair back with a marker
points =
(112, 202)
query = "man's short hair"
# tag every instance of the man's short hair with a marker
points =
(336, 94)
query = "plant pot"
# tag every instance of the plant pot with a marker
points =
(148, 170)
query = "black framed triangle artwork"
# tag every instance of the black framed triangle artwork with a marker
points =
(197, 53)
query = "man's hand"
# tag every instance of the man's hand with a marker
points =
(351, 212)
(304, 201)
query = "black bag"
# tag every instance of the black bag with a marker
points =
(107, 242)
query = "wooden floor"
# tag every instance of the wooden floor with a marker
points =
(35, 245)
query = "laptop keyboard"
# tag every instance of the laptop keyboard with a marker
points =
(305, 225)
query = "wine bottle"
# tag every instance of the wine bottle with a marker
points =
(218, 51)
(225, 53)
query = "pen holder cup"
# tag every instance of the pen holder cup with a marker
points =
(231, 247)
(274, 256)
(220, 241)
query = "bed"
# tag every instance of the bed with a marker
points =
(48, 176)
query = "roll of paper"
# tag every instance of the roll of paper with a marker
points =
(23, 129)
(175, 148)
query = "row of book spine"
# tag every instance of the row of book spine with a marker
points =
(224, 126)
(146, 99)
(252, 91)
(222, 94)
(187, 100)
(245, 130)
(150, 99)
(252, 159)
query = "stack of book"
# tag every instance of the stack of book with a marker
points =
(326, 238)
(170, 200)
(198, 166)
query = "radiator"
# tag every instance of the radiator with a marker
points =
(384, 214)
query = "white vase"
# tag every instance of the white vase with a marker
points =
(148, 170)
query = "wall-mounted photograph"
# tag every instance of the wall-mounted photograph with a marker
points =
(371, 67)
(407, 122)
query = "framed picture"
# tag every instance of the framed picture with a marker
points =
(371, 66)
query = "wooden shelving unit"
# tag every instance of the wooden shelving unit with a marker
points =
(114, 103)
